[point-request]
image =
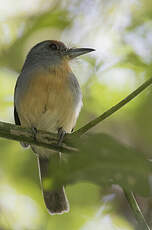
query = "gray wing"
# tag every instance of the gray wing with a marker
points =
(17, 121)
(16, 117)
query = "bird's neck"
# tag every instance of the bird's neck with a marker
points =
(60, 69)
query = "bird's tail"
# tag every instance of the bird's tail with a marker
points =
(55, 200)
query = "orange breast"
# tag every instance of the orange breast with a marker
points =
(48, 101)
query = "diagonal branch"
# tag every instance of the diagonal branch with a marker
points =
(113, 109)
(128, 194)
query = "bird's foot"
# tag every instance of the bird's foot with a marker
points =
(61, 134)
(24, 145)
(34, 130)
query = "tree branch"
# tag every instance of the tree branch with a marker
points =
(42, 138)
(113, 109)
(142, 224)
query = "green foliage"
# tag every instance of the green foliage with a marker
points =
(108, 162)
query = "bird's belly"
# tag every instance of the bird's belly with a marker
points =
(48, 102)
(47, 106)
(59, 110)
(59, 116)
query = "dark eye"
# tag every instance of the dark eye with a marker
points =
(53, 46)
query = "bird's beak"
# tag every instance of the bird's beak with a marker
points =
(75, 52)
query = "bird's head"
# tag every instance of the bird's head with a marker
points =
(53, 52)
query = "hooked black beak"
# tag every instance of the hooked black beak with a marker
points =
(75, 52)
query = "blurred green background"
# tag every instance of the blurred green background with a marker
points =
(121, 33)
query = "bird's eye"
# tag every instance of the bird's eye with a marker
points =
(53, 46)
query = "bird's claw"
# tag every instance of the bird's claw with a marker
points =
(34, 130)
(61, 134)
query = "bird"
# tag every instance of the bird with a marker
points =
(48, 97)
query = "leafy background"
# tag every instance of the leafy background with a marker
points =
(121, 33)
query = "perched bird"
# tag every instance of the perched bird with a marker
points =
(48, 97)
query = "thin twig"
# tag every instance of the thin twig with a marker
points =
(142, 224)
(113, 109)
(128, 194)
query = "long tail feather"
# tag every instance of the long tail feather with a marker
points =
(55, 200)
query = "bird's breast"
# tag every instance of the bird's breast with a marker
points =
(50, 100)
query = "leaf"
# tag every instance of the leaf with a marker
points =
(104, 161)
